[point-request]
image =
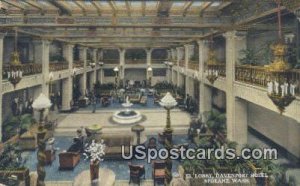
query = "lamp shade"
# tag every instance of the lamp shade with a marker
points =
(168, 101)
(41, 102)
(116, 69)
(149, 69)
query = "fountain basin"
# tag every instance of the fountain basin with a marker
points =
(127, 116)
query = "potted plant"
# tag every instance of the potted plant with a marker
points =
(17, 125)
(94, 152)
(12, 164)
(249, 58)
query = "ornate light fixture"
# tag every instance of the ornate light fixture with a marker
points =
(41, 104)
(212, 72)
(168, 102)
(280, 90)
(100, 63)
(93, 65)
(15, 72)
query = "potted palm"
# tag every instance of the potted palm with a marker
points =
(12, 164)
(94, 152)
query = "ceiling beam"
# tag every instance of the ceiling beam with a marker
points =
(78, 3)
(35, 5)
(113, 7)
(97, 7)
(14, 4)
(164, 7)
(186, 7)
(204, 7)
(224, 4)
(61, 7)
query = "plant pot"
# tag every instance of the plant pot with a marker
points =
(22, 174)
(94, 170)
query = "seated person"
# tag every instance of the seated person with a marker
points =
(77, 145)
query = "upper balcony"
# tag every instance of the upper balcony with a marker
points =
(193, 65)
(182, 63)
(58, 66)
(135, 61)
(78, 64)
(259, 76)
(27, 69)
(158, 61)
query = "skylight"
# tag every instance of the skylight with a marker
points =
(215, 4)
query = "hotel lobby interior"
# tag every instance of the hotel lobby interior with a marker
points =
(84, 82)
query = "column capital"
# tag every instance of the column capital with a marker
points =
(122, 50)
(235, 34)
(41, 41)
(82, 47)
(203, 42)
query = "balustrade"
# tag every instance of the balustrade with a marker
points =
(58, 66)
(78, 64)
(182, 63)
(193, 65)
(27, 69)
(259, 76)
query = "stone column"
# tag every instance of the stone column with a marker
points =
(205, 95)
(177, 64)
(2, 35)
(149, 52)
(235, 41)
(122, 52)
(83, 79)
(94, 72)
(205, 98)
(41, 55)
(203, 55)
(67, 83)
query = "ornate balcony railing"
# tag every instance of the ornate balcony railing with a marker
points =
(221, 68)
(111, 61)
(294, 77)
(58, 66)
(258, 75)
(193, 65)
(78, 64)
(28, 69)
(137, 61)
(182, 63)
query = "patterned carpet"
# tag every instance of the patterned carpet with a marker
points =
(120, 167)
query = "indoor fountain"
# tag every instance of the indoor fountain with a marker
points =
(127, 116)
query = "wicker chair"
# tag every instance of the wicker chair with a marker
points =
(136, 172)
(158, 172)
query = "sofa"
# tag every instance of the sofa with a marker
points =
(114, 145)
(70, 158)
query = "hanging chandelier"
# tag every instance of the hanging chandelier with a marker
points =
(212, 63)
(280, 90)
(15, 73)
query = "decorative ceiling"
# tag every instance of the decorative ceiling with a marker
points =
(123, 23)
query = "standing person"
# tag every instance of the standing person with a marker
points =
(187, 102)
(94, 103)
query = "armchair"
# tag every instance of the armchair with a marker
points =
(136, 172)
(158, 172)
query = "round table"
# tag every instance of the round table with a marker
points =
(107, 178)
(138, 129)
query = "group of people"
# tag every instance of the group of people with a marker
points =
(191, 104)
(20, 107)
(56, 101)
